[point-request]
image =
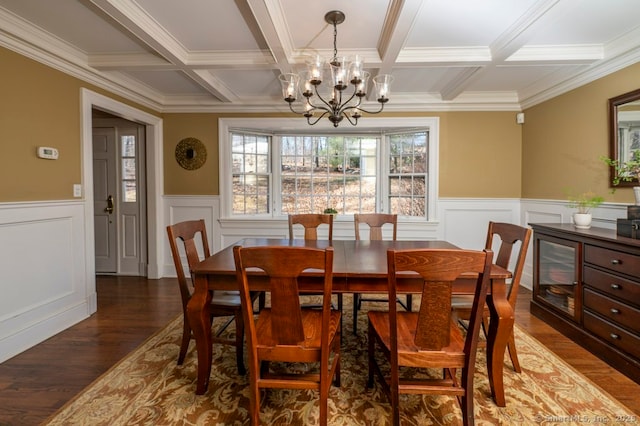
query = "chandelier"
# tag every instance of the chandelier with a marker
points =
(337, 102)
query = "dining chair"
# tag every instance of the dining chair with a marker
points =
(311, 222)
(375, 222)
(429, 338)
(223, 303)
(286, 332)
(512, 240)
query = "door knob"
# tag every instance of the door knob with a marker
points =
(109, 208)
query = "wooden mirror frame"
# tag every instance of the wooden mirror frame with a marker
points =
(614, 152)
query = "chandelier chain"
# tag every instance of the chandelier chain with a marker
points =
(335, 43)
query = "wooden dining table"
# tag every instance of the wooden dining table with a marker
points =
(359, 267)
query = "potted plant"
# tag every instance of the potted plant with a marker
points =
(330, 210)
(627, 171)
(583, 203)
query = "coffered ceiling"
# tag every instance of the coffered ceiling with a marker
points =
(226, 55)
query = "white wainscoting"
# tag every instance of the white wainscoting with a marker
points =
(460, 221)
(48, 284)
(43, 273)
(178, 208)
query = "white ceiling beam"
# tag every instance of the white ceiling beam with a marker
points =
(269, 17)
(135, 19)
(398, 23)
(206, 60)
(505, 45)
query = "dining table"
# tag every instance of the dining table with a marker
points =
(359, 266)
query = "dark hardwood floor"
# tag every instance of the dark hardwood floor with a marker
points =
(34, 384)
(37, 382)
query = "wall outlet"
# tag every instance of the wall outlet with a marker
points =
(77, 190)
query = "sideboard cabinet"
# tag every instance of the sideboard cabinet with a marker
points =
(586, 284)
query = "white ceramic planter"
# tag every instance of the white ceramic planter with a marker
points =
(582, 220)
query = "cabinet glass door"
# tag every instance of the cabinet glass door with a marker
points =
(558, 274)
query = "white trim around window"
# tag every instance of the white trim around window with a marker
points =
(278, 125)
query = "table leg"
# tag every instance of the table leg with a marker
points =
(199, 314)
(500, 329)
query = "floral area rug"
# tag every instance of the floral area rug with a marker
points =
(149, 388)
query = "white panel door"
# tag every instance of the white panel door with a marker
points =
(104, 199)
(119, 172)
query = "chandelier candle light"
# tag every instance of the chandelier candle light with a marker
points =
(342, 73)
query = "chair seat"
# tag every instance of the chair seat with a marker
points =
(410, 355)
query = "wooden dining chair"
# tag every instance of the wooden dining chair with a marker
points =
(512, 240)
(311, 222)
(223, 303)
(375, 222)
(429, 338)
(286, 332)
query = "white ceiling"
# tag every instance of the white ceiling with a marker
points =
(226, 55)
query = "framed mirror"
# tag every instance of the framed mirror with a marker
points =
(624, 130)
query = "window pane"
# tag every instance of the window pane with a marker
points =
(304, 204)
(262, 145)
(288, 204)
(128, 168)
(262, 164)
(129, 194)
(128, 147)
(236, 160)
(262, 185)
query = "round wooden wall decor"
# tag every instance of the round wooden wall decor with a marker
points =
(191, 154)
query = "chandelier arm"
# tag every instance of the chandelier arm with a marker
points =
(353, 95)
(353, 123)
(372, 112)
(320, 117)
(293, 110)
(326, 107)
(345, 105)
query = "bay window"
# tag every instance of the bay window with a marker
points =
(268, 170)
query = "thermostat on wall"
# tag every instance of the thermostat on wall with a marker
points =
(47, 152)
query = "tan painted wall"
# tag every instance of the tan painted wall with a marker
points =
(479, 153)
(564, 137)
(39, 106)
(179, 181)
